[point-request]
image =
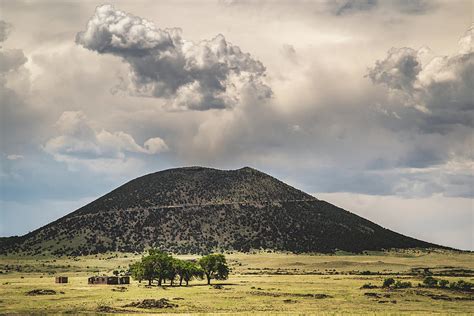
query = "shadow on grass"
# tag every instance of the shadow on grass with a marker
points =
(168, 286)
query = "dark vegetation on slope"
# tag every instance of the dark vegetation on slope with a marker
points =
(201, 210)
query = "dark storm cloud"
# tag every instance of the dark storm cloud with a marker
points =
(414, 6)
(398, 70)
(211, 74)
(350, 6)
(343, 7)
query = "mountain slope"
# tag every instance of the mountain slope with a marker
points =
(198, 210)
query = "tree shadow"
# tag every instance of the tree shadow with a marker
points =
(168, 286)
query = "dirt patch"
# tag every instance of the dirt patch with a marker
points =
(371, 294)
(112, 310)
(289, 301)
(317, 296)
(152, 303)
(444, 297)
(297, 264)
(41, 292)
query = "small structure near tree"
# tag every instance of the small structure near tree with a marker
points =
(109, 280)
(61, 279)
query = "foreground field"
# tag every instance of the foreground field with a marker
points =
(259, 283)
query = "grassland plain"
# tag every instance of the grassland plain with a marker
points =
(260, 283)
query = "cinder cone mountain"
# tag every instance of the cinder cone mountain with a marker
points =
(199, 210)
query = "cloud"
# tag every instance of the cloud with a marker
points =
(413, 6)
(80, 142)
(14, 157)
(399, 70)
(342, 7)
(465, 42)
(210, 74)
(440, 87)
(5, 29)
(10, 59)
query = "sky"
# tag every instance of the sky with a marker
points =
(367, 104)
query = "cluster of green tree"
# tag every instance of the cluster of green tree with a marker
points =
(460, 285)
(428, 281)
(391, 283)
(161, 266)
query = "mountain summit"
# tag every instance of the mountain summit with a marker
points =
(199, 210)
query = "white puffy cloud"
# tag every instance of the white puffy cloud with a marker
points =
(14, 157)
(80, 141)
(465, 42)
(210, 74)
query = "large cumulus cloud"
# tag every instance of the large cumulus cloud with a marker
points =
(80, 142)
(439, 87)
(199, 76)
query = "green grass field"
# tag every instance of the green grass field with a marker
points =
(259, 283)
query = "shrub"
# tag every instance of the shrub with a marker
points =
(388, 282)
(443, 283)
(461, 285)
(402, 285)
(430, 282)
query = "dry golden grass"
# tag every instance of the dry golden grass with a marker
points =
(260, 283)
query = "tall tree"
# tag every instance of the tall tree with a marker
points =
(214, 267)
(137, 271)
(149, 268)
(189, 270)
(174, 269)
(162, 265)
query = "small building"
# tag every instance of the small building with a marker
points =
(109, 280)
(61, 279)
(124, 280)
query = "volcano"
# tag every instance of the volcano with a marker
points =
(200, 210)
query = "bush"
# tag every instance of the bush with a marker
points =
(461, 285)
(388, 282)
(368, 286)
(443, 283)
(402, 285)
(430, 282)
(366, 273)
